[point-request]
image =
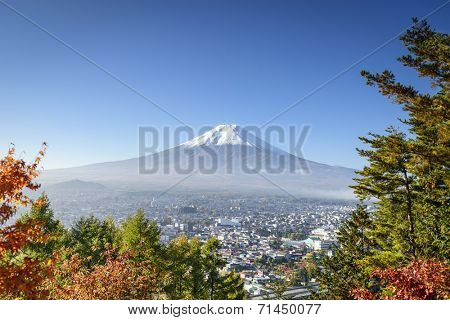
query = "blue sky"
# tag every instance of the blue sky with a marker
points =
(207, 62)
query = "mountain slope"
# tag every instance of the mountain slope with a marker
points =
(226, 158)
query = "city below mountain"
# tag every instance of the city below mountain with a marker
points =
(227, 158)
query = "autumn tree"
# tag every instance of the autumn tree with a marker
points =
(419, 280)
(121, 277)
(20, 275)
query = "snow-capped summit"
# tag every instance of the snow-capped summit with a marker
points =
(220, 135)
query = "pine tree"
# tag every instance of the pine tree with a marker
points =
(212, 262)
(142, 236)
(54, 231)
(407, 178)
(388, 180)
(231, 287)
(345, 270)
(425, 156)
(194, 271)
(90, 238)
(178, 268)
(197, 286)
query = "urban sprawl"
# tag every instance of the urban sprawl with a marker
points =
(267, 239)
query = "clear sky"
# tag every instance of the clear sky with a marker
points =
(207, 62)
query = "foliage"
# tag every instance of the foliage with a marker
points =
(20, 276)
(345, 269)
(213, 262)
(193, 271)
(89, 238)
(409, 176)
(51, 228)
(120, 277)
(277, 288)
(140, 235)
(420, 280)
(404, 241)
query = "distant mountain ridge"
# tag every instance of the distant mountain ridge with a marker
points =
(75, 185)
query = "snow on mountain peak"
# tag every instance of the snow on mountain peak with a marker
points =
(220, 135)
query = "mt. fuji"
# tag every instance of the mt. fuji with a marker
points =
(221, 135)
(226, 158)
